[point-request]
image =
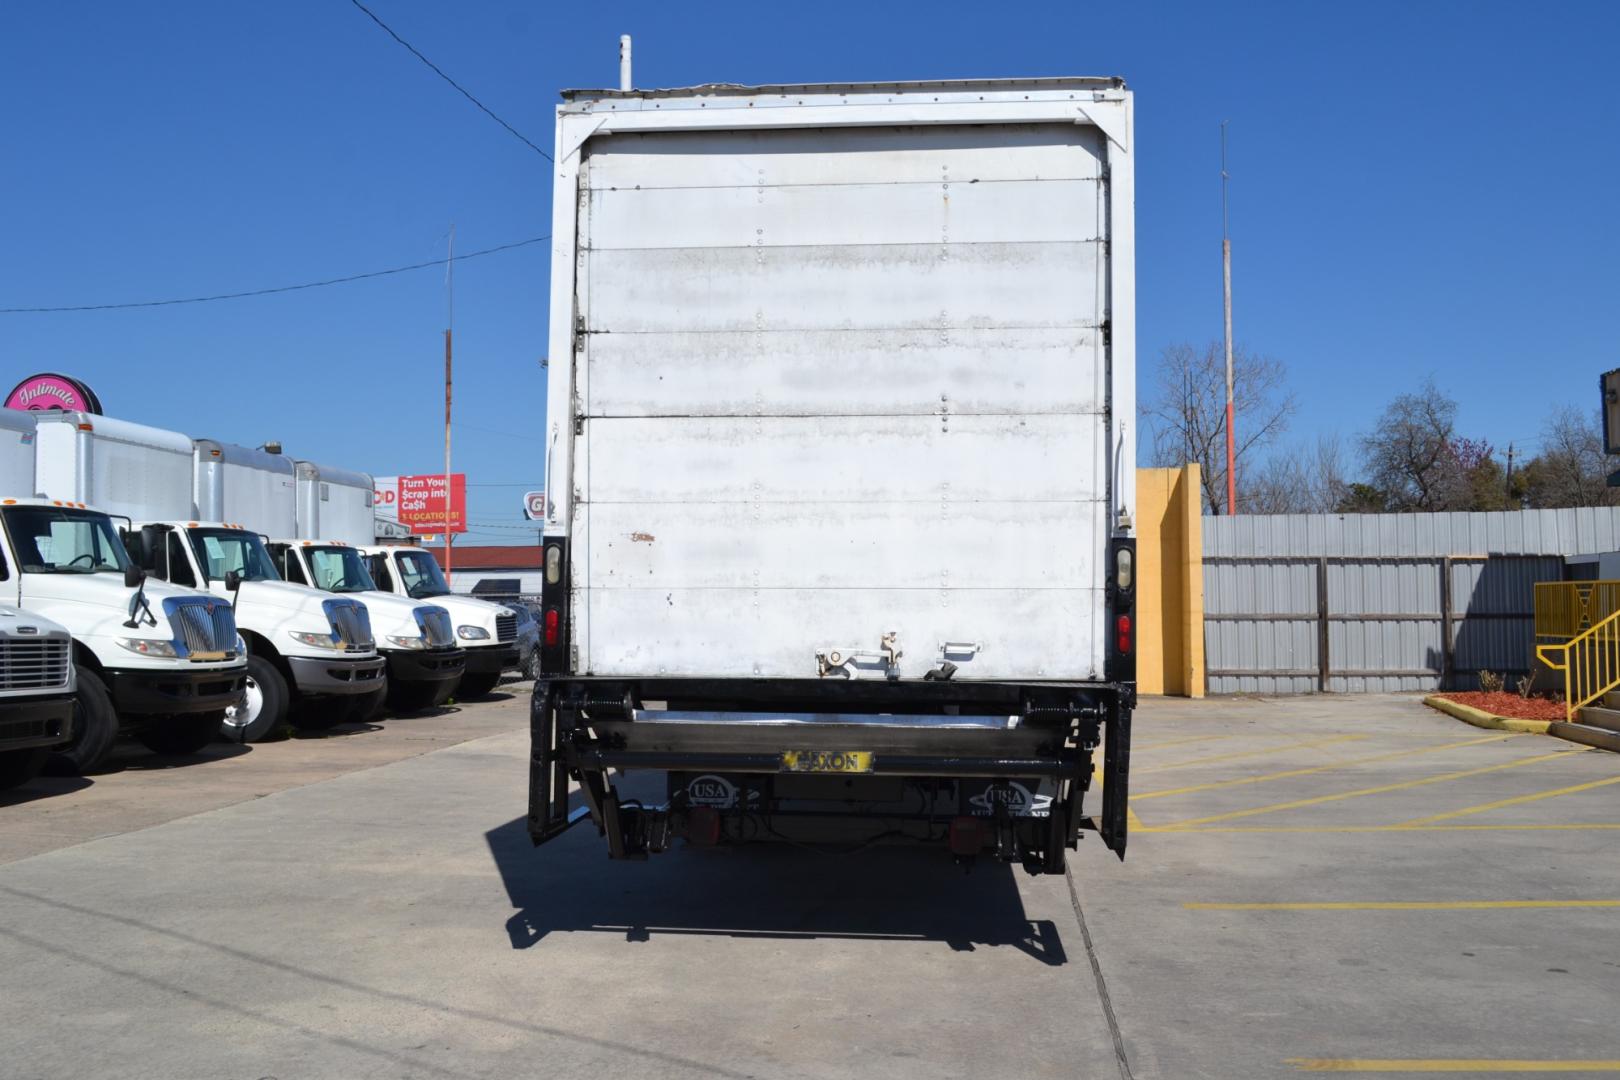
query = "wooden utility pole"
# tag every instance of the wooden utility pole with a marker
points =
(449, 324)
(1226, 296)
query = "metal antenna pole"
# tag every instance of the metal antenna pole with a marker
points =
(1226, 276)
(449, 324)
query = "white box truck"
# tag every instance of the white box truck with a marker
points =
(841, 466)
(418, 640)
(310, 655)
(36, 693)
(151, 659)
(333, 504)
(488, 632)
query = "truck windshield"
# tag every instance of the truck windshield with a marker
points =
(421, 575)
(338, 569)
(52, 540)
(219, 551)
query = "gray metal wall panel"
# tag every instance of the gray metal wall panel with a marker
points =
(1366, 577)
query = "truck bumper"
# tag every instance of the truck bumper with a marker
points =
(488, 659)
(162, 693)
(425, 665)
(31, 722)
(337, 676)
(999, 768)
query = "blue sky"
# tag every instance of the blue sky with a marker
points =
(1417, 188)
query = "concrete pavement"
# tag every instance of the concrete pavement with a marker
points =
(1355, 885)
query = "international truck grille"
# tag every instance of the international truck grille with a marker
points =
(351, 623)
(33, 665)
(506, 628)
(435, 622)
(201, 624)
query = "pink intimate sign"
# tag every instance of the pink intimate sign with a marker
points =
(51, 391)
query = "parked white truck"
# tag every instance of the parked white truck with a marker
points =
(310, 655)
(488, 632)
(418, 640)
(841, 466)
(36, 693)
(160, 662)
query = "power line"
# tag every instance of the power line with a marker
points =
(277, 289)
(448, 79)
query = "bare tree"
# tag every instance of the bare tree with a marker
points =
(1299, 480)
(1408, 451)
(1571, 469)
(1187, 412)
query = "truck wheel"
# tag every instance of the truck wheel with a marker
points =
(264, 705)
(95, 728)
(477, 685)
(181, 736)
(17, 767)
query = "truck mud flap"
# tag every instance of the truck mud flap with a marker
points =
(1116, 777)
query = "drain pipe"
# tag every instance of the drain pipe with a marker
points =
(624, 63)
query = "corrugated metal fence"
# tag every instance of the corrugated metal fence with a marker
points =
(1301, 603)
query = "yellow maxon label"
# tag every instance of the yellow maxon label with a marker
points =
(827, 761)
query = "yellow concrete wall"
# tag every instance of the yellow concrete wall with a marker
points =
(1170, 582)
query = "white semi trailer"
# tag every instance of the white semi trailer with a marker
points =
(841, 466)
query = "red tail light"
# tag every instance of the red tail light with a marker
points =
(552, 626)
(1124, 627)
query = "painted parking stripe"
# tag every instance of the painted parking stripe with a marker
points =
(1404, 905)
(1313, 769)
(1517, 800)
(1449, 1065)
(1236, 755)
(1379, 790)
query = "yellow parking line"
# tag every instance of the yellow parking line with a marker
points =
(1180, 742)
(1517, 800)
(1290, 773)
(1250, 753)
(1406, 905)
(1379, 790)
(1449, 1065)
(1378, 828)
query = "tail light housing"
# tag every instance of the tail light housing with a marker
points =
(1121, 610)
(555, 653)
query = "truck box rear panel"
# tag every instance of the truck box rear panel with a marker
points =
(834, 383)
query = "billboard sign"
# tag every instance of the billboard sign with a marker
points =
(48, 390)
(417, 502)
(534, 505)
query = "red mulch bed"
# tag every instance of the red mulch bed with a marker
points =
(1505, 704)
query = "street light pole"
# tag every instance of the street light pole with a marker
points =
(1226, 295)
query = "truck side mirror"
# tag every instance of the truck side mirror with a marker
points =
(233, 580)
(133, 576)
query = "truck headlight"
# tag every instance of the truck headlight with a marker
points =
(149, 646)
(472, 633)
(241, 645)
(408, 642)
(315, 640)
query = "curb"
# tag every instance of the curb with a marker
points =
(1480, 718)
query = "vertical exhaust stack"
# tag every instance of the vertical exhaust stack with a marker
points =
(624, 63)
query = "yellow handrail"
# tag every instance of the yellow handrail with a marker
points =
(1590, 662)
(1565, 608)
